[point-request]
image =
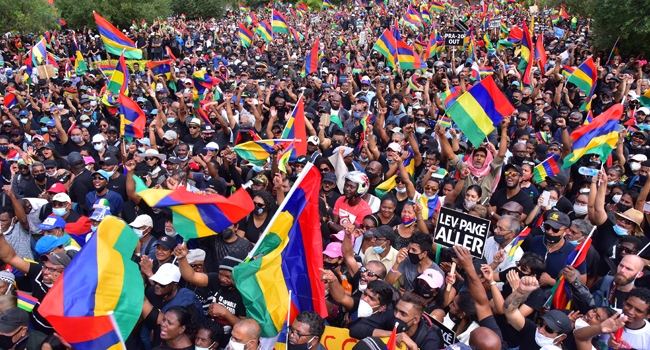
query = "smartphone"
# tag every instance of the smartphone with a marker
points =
(545, 196)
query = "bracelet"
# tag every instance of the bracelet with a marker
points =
(462, 178)
(393, 271)
(493, 283)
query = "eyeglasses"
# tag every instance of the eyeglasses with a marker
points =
(51, 269)
(149, 158)
(293, 331)
(261, 205)
(549, 228)
(162, 285)
(431, 188)
(399, 181)
(626, 221)
(626, 250)
(371, 274)
(195, 265)
(542, 324)
(325, 170)
(194, 127)
(98, 178)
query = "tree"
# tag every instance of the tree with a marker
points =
(195, 9)
(79, 13)
(27, 16)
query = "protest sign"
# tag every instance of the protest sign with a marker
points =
(457, 228)
(448, 336)
(454, 38)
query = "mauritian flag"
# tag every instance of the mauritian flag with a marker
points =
(286, 279)
(257, 152)
(445, 121)
(95, 304)
(311, 61)
(585, 78)
(195, 215)
(449, 97)
(26, 302)
(132, 119)
(386, 186)
(295, 129)
(517, 242)
(116, 42)
(547, 168)
(561, 292)
(429, 206)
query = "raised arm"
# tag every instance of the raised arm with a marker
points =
(527, 284)
(464, 260)
(187, 272)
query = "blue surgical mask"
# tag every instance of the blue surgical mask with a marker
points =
(88, 110)
(611, 183)
(86, 124)
(379, 249)
(403, 190)
(258, 169)
(44, 129)
(420, 130)
(183, 159)
(363, 160)
(93, 228)
(141, 149)
(98, 147)
(429, 197)
(620, 231)
(59, 211)
(171, 120)
(24, 120)
(575, 243)
(357, 115)
(552, 204)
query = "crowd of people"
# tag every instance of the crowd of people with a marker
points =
(65, 161)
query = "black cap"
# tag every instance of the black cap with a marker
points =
(112, 128)
(113, 150)
(216, 185)
(141, 168)
(49, 163)
(514, 166)
(166, 242)
(16, 131)
(386, 232)
(329, 177)
(302, 160)
(49, 145)
(559, 178)
(110, 161)
(557, 220)
(207, 128)
(369, 343)
(74, 158)
(173, 160)
(557, 320)
(541, 150)
(13, 318)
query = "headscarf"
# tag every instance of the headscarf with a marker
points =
(485, 169)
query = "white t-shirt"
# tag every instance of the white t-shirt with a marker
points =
(634, 338)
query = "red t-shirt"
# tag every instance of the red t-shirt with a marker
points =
(354, 214)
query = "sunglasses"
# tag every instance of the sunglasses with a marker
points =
(626, 221)
(194, 127)
(195, 265)
(399, 181)
(149, 158)
(549, 228)
(626, 250)
(512, 173)
(368, 272)
(431, 188)
(98, 178)
(325, 170)
(542, 324)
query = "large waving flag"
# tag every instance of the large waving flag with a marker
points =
(101, 279)
(480, 110)
(106, 69)
(195, 215)
(540, 53)
(279, 23)
(547, 168)
(80, 64)
(264, 29)
(449, 97)
(245, 35)
(295, 129)
(257, 152)
(116, 42)
(120, 78)
(161, 68)
(202, 82)
(311, 61)
(286, 279)
(132, 119)
(407, 57)
(599, 137)
(387, 46)
(429, 206)
(39, 53)
(327, 5)
(561, 292)
(386, 186)
(585, 78)
(527, 56)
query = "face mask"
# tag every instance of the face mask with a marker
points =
(622, 208)
(423, 292)
(40, 177)
(4, 149)
(552, 204)
(259, 210)
(87, 110)
(575, 243)
(200, 348)
(232, 345)
(59, 211)
(6, 341)
(303, 346)
(500, 239)
(330, 266)
(379, 249)
(101, 189)
(357, 115)
(620, 231)
(98, 147)
(60, 106)
(635, 166)
(24, 120)
(420, 130)
(11, 228)
(573, 125)
(552, 239)
(43, 129)
(170, 232)
(539, 111)
(542, 340)
(515, 101)
(93, 228)
(415, 258)
(77, 139)
(643, 179)
(365, 310)
(469, 204)
(400, 190)
(617, 198)
(171, 120)
(258, 169)
(581, 323)
(139, 232)
(611, 183)
(86, 124)
(141, 149)
(429, 197)
(580, 209)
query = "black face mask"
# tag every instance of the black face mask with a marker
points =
(552, 239)
(401, 325)
(40, 177)
(454, 317)
(415, 258)
(423, 292)
(259, 210)
(330, 266)
(207, 139)
(101, 188)
(573, 125)
(6, 342)
(622, 208)
(372, 176)
(518, 159)
(227, 234)
(514, 101)
(304, 346)
(500, 239)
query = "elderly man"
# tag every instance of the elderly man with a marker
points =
(498, 246)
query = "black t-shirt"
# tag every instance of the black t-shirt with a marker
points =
(527, 336)
(491, 323)
(73, 147)
(118, 185)
(230, 299)
(81, 185)
(33, 190)
(500, 198)
(191, 140)
(252, 233)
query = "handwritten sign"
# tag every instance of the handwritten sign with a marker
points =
(457, 228)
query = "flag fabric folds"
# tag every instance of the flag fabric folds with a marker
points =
(449, 97)
(115, 41)
(429, 206)
(407, 57)
(480, 110)
(599, 137)
(132, 119)
(311, 61)
(265, 30)
(163, 68)
(527, 56)
(387, 46)
(195, 215)
(99, 279)
(386, 186)
(561, 292)
(120, 78)
(245, 35)
(25, 301)
(585, 77)
(517, 242)
(295, 129)
(279, 23)
(548, 167)
(257, 152)
(286, 279)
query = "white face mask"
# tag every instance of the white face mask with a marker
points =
(543, 340)
(580, 209)
(200, 348)
(635, 166)
(11, 228)
(581, 323)
(232, 345)
(139, 232)
(362, 287)
(365, 310)
(170, 232)
(469, 204)
(617, 198)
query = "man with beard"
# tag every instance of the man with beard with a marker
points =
(351, 208)
(613, 290)
(218, 246)
(227, 305)
(512, 192)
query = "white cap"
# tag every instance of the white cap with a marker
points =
(644, 110)
(142, 221)
(98, 138)
(61, 197)
(166, 274)
(639, 158)
(395, 147)
(314, 140)
(195, 255)
(212, 146)
(170, 135)
(195, 121)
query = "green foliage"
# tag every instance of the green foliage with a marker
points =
(195, 9)
(27, 16)
(613, 18)
(79, 13)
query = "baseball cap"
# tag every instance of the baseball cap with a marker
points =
(195, 255)
(51, 222)
(341, 236)
(99, 214)
(57, 188)
(302, 160)
(98, 138)
(313, 140)
(112, 128)
(173, 160)
(49, 163)
(559, 178)
(384, 231)
(61, 197)
(166, 242)
(558, 220)
(514, 166)
(433, 278)
(56, 259)
(212, 146)
(207, 128)
(639, 157)
(143, 220)
(110, 161)
(333, 250)
(644, 110)
(329, 177)
(13, 318)
(558, 321)
(166, 274)
(260, 179)
(103, 173)
(49, 242)
(395, 147)
(74, 158)
(102, 203)
(195, 121)
(170, 135)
